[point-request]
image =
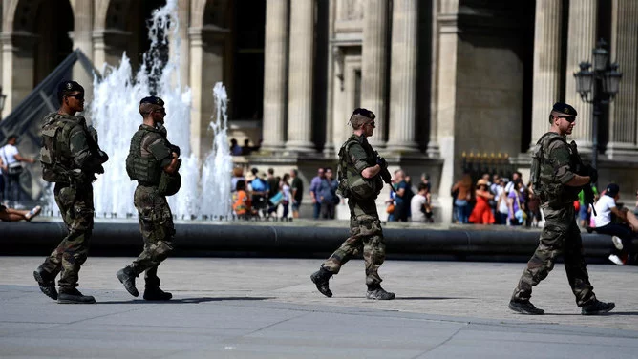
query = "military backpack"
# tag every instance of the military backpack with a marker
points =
(350, 182)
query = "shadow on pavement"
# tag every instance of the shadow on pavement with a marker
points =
(186, 300)
(430, 298)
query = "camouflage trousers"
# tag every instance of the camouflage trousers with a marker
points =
(78, 211)
(157, 229)
(365, 236)
(560, 236)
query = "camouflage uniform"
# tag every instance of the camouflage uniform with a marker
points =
(73, 193)
(365, 228)
(561, 234)
(155, 217)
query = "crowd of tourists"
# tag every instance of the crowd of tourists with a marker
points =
(496, 200)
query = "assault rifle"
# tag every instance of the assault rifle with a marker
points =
(385, 174)
(585, 170)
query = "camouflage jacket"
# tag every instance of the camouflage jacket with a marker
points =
(557, 167)
(69, 149)
(355, 155)
(149, 152)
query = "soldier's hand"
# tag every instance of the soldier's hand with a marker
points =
(382, 162)
(177, 150)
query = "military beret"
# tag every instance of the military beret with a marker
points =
(69, 86)
(563, 109)
(152, 100)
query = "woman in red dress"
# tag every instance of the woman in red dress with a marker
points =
(482, 212)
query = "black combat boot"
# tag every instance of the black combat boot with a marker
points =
(152, 289)
(597, 307)
(155, 293)
(127, 276)
(525, 307)
(376, 292)
(70, 295)
(321, 279)
(46, 281)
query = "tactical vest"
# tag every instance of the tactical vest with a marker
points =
(55, 153)
(145, 170)
(542, 173)
(351, 183)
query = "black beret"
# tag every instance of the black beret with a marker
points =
(152, 100)
(69, 86)
(363, 112)
(563, 109)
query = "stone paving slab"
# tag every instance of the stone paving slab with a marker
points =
(267, 308)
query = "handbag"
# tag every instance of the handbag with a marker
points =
(390, 208)
(15, 168)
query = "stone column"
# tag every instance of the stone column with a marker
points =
(275, 76)
(196, 43)
(581, 40)
(403, 77)
(99, 49)
(447, 102)
(547, 65)
(17, 58)
(300, 76)
(622, 111)
(433, 145)
(83, 40)
(373, 66)
(184, 63)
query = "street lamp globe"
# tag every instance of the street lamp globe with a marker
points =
(584, 80)
(611, 80)
(600, 56)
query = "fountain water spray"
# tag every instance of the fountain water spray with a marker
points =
(218, 164)
(115, 115)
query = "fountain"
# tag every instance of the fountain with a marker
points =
(114, 112)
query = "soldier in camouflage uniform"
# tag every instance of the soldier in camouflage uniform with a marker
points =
(151, 158)
(554, 177)
(360, 170)
(70, 157)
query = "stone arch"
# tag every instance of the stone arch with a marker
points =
(37, 36)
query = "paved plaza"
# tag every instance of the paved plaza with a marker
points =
(267, 308)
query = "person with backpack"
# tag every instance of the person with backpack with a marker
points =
(361, 174)
(554, 180)
(70, 158)
(154, 163)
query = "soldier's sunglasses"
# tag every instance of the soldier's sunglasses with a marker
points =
(78, 96)
(569, 119)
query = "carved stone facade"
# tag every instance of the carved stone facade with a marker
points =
(445, 77)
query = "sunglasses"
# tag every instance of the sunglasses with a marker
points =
(78, 96)
(370, 123)
(161, 111)
(569, 119)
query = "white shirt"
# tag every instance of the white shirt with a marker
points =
(603, 210)
(417, 205)
(286, 190)
(7, 152)
(500, 191)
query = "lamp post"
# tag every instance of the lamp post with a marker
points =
(598, 87)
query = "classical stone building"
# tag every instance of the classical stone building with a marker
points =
(454, 83)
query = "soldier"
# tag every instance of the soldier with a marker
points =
(555, 180)
(154, 163)
(360, 170)
(70, 157)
